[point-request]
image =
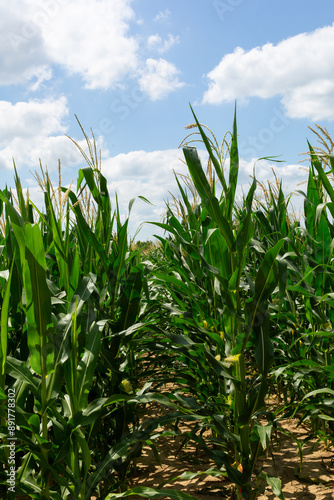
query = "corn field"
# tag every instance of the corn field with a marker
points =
(234, 306)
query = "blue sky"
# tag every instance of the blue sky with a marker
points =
(129, 69)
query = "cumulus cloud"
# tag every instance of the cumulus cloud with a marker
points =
(143, 165)
(35, 129)
(94, 41)
(300, 69)
(159, 78)
(314, 100)
(22, 52)
(155, 42)
(87, 38)
(91, 39)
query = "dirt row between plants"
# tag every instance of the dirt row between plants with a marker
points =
(314, 481)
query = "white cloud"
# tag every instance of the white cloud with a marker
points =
(143, 173)
(159, 78)
(91, 39)
(163, 16)
(300, 69)
(143, 165)
(88, 38)
(155, 42)
(33, 130)
(22, 52)
(28, 119)
(41, 75)
(314, 100)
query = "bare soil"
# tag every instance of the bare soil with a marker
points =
(314, 481)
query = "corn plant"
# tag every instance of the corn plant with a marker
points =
(71, 309)
(307, 369)
(220, 317)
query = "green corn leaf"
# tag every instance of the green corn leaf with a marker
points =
(86, 233)
(208, 199)
(87, 365)
(97, 184)
(17, 225)
(245, 232)
(63, 332)
(149, 397)
(38, 303)
(320, 210)
(187, 475)
(89, 414)
(85, 452)
(87, 173)
(265, 283)
(264, 432)
(35, 487)
(19, 194)
(34, 423)
(282, 278)
(74, 274)
(117, 453)
(213, 158)
(322, 175)
(129, 300)
(4, 326)
(312, 200)
(63, 451)
(264, 351)
(18, 370)
(234, 170)
(59, 246)
(222, 427)
(319, 391)
(275, 484)
(267, 275)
